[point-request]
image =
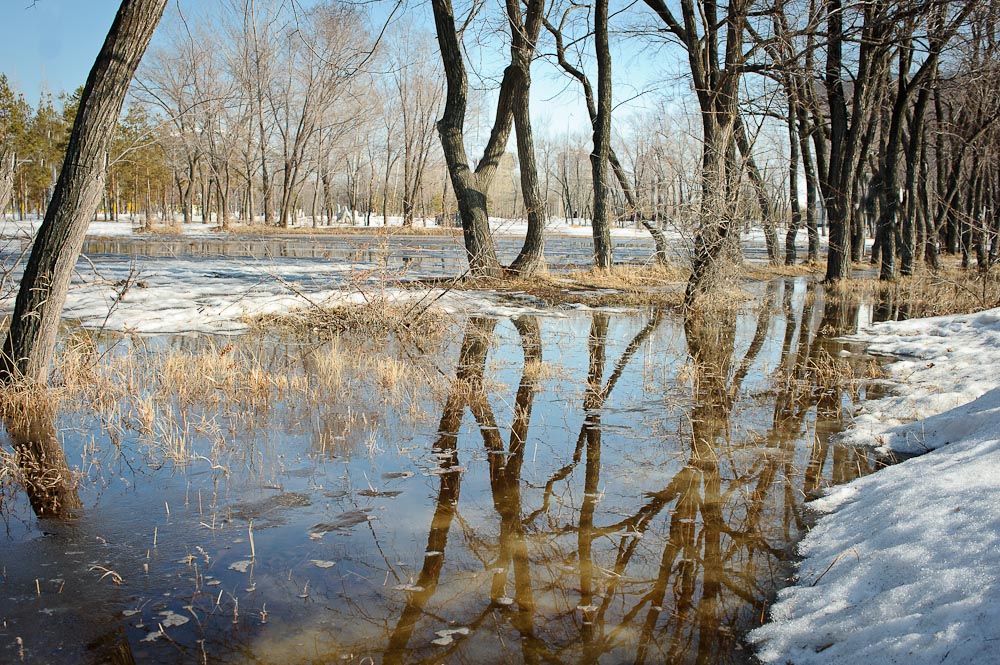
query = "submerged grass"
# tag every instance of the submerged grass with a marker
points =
(949, 290)
(192, 399)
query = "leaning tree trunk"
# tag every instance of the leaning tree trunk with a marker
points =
(31, 340)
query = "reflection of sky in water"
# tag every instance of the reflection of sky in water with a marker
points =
(647, 527)
(421, 255)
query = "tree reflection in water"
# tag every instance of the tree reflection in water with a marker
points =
(41, 463)
(682, 575)
(588, 530)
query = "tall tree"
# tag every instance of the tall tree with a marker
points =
(602, 139)
(14, 113)
(939, 30)
(326, 50)
(419, 91)
(713, 37)
(472, 186)
(31, 339)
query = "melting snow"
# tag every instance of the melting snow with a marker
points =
(905, 567)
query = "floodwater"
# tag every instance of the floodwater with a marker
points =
(430, 255)
(587, 486)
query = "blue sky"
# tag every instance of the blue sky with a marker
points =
(51, 44)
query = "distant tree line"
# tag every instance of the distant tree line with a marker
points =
(270, 112)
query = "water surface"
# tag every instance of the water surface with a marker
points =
(595, 486)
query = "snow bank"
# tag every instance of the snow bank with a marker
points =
(905, 568)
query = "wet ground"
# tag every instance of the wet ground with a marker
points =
(595, 486)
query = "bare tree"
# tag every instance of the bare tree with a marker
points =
(472, 186)
(169, 82)
(324, 51)
(259, 51)
(713, 37)
(419, 93)
(602, 232)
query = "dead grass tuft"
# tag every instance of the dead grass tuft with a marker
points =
(758, 272)
(375, 318)
(621, 286)
(156, 227)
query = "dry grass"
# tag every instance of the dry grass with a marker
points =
(194, 400)
(623, 286)
(156, 227)
(763, 272)
(629, 277)
(376, 318)
(950, 290)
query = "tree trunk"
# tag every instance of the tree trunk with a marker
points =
(531, 258)
(770, 234)
(31, 340)
(470, 186)
(7, 162)
(602, 141)
(793, 187)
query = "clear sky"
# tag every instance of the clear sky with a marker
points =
(51, 44)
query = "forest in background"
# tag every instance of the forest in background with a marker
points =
(878, 117)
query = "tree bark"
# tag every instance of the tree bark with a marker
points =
(31, 340)
(602, 141)
(524, 31)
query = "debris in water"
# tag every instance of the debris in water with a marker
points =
(171, 618)
(241, 566)
(322, 564)
(413, 588)
(451, 632)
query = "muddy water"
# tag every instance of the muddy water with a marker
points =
(610, 486)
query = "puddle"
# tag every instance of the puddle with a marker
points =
(593, 487)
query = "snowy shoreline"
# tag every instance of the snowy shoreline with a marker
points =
(904, 564)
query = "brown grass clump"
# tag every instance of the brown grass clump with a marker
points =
(758, 272)
(629, 277)
(156, 227)
(626, 285)
(950, 290)
(375, 318)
